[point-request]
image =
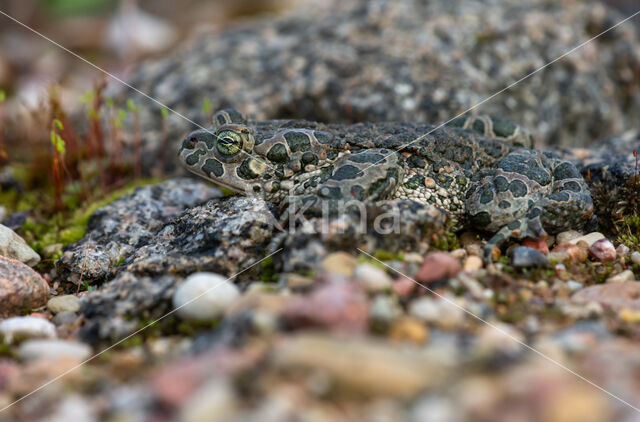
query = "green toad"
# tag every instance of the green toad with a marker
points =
(482, 170)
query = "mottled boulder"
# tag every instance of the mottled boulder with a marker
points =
(21, 288)
(396, 60)
(124, 305)
(222, 235)
(392, 226)
(116, 230)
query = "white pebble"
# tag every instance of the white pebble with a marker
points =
(626, 275)
(372, 278)
(635, 258)
(590, 238)
(26, 327)
(53, 350)
(204, 297)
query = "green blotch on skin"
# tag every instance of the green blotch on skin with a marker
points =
(503, 127)
(213, 167)
(298, 141)
(415, 182)
(277, 153)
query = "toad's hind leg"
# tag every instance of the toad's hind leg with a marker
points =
(568, 206)
(351, 181)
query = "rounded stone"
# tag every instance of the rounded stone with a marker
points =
(340, 263)
(14, 247)
(590, 238)
(523, 257)
(603, 250)
(626, 275)
(372, 278)
(53, 350)
(575, 253)
(65, 317)
(567, 236)
(635, 257)
(437, 266)
(21, 288)
(59, 304)
(472, 263)
(26, 327)
(204, 297)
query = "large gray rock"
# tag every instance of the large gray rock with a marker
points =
(406, 60)
(115, 231)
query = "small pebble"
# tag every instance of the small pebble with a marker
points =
(603, 250)
(523, 257)
(340, 263)
(383, 309)
(372, 278)
(59, 304)
(626, 275)
(635, 257)
(53, 350)
(26, 327)
(622, 250)
(574, 285)
(403, 286)
(472, 263)
(437, 266)
(440, 312)
(204, 297)
(558, 256)
(459, 254)
(52, 250)
(575, 253)
(589, 239)
(539, 245)
(65, 317)
(409, 329)
(568, 236)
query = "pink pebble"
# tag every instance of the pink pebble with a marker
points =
(437, 266)
(403, 286)
(603, 251)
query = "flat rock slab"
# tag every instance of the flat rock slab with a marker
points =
(615, 296)
(21, 288)
(116, 230)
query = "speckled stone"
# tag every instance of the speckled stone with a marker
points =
(118, 230)
(399, 60)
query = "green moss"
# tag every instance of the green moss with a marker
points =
(268, 273)
(67, 228)
(448, 241)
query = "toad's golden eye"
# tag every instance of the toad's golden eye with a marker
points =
(229, 143)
